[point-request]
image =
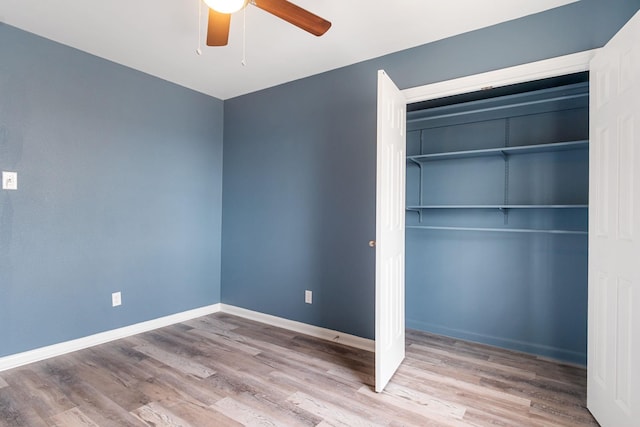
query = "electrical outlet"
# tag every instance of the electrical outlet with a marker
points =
(308, 297)
(116, 299)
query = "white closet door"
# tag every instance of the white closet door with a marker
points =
(390, 211)
(614, 232)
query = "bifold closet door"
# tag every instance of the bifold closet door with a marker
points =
(614, 232)
(390, 216)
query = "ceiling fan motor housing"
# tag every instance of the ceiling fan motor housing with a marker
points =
(220, 17)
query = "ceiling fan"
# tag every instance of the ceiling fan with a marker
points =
(220, 17)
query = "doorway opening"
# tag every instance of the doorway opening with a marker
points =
(497, 216)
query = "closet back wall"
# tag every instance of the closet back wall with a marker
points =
(119, 189)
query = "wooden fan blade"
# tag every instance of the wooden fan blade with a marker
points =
(218, 28)
(295, 15)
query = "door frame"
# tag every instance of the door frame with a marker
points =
(553, 67)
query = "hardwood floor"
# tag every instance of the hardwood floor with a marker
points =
(221, 370)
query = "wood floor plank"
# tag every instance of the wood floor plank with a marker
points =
(244, 414)
(345, 396)
(178, 362)
(500, 407)
(415, 413)
(211, 323)
(427, 402)
(122, 361)
(263, 395)
(568, 417)
(228, 339)
(432, 378)
(200, 350)
(222, 370)
(199, 415)
(155, 414)
(480, 365)
(42, 396)
(535, 390)
(169, 383)
(72, 418)
(14, 412)
(83, 392)
(125, 394)
(355, 376)
(333, 414)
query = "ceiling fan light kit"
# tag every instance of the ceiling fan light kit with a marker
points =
(220, 17)
(226, 6)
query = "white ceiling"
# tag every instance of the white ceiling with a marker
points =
(160, 37)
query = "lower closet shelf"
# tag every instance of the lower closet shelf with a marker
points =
(424, 207)
(505, 230)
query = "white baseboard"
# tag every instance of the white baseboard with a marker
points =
(38, 354)
(303, 328)
(21, 359)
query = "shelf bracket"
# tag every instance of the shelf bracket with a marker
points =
(420, 197)
(419, 212)
(505, 215)
(505, 156)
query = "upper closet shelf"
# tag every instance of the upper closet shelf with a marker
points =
(525, 149)
(550, 99)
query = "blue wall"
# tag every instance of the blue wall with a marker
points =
(299, 165)
(120, 180)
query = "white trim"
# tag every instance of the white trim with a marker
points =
(553, 67)
(21, 359)
(303, 328)
(42, 353)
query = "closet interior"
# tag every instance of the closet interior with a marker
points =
(496, 219)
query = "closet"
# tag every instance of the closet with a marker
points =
(496, 219)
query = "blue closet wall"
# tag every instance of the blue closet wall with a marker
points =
(299, 168)
(119, 189)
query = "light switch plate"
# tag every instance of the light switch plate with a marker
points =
(9, 180)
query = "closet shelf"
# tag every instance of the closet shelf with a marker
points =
(509, 104)
(504, 230)
(525, 149)
(423, 207)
